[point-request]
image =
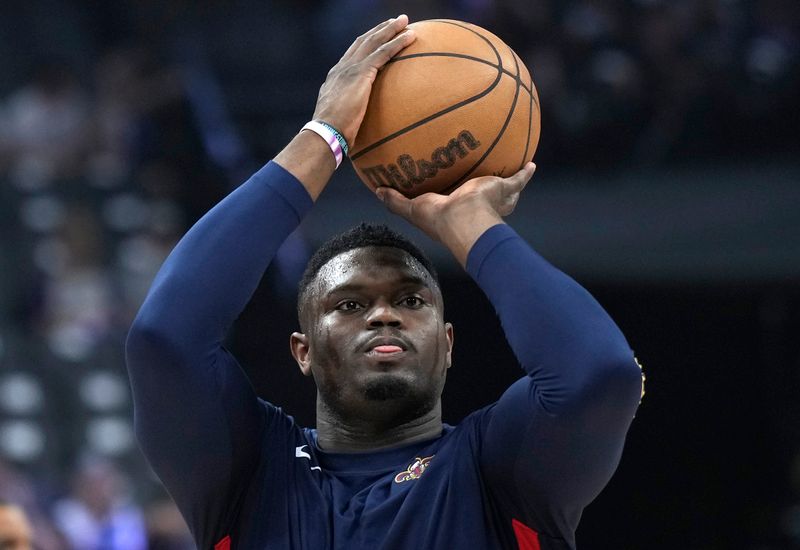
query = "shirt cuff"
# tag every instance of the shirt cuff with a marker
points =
(485, 244)
(282, 182)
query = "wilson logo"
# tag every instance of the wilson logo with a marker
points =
(408, 172)
(414, 471)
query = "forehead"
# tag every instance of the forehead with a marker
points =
(371, 263)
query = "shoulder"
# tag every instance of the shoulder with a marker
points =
(468, 433)
(280, 428)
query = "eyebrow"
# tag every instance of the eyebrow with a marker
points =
(406, 281)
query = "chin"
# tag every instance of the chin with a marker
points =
(388, 388)
(398, 398)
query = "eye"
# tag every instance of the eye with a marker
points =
(348, 305)
(414, 302)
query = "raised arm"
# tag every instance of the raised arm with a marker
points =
(197, 417)
(555, 437)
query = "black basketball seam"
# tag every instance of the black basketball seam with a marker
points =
(467, 101)
(496, 140)
(514, 54)
(534, 99)
(530, 121)
(518, 79)
(460, 56)
(528, 141)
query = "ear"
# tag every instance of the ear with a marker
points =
(448, 329)
(298, 343)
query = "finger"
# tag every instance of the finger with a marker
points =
(528, 170)
(526, 173)
(518, 181)
(380, 38)
(360, 40)
(395, 202)
(509, 204)
(383, 54)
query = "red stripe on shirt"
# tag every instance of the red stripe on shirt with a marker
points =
(527, 538)
(225, 544)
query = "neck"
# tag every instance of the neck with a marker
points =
(367, 432)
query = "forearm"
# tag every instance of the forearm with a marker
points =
(309, 159)
(460, 236)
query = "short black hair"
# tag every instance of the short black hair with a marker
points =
(363, 235)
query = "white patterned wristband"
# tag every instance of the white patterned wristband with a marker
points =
(326, 132)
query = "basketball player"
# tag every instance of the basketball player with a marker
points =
(15, 530)
(381, 470)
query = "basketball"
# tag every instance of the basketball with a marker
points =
(456, 104)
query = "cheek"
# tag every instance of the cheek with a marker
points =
(329, 346)
(437, 346)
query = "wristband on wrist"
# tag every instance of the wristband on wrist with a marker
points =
(335, 139)
(339, 137)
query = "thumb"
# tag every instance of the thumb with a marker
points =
(395, 201)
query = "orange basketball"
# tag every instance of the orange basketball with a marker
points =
(456, 104)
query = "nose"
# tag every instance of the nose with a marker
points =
(384, 315)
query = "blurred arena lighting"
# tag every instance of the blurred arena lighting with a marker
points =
(72, 342)
(30, 175)
(109, 436)
(125, 212)
(21, 440)
(20, 394)
(140, 255)
(614, 67)
(50, 256)
(166, 217)
(106, 171)
(103, 391)
(42, 213)
(767, 59)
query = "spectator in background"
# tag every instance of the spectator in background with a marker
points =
(99, 515)
(15, 529)
(18, 488)
(78, 298)
(44, 127)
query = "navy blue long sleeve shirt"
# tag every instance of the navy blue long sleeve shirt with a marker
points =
(515, 474)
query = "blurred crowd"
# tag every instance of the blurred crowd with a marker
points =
(655, 82)
(104, 162)
(92, 177)
(643, 82)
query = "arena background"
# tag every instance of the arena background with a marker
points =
(668, 185)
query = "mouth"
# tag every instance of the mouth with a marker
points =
(385, 347)
(384, 352)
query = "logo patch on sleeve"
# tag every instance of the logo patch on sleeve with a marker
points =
(414, 470)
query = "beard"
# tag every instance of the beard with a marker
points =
(398, 400)
(387, 389)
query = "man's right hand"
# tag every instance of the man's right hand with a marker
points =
(343, 98)
(342, 102)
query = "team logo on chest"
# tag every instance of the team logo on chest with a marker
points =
(414, 470)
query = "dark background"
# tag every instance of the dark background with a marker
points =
(668, 185)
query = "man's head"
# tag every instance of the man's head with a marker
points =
(374, 335)
(15, 530)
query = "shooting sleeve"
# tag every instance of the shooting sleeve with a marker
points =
(197, 417)
(553, 440)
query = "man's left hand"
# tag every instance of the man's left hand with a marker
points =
(458, 219)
